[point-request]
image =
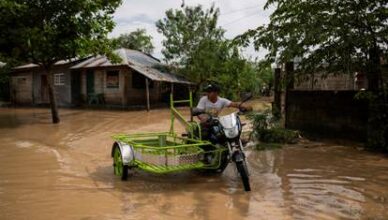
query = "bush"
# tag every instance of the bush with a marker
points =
(4, 83)
(377, 127)
(268, 130)
(277, 135)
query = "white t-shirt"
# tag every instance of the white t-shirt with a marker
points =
(213, 108)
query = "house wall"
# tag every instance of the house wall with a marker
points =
(330, 82)
(21, 88)
(327, 114)
(113, 96)
(32, 92)
(125, 94)
(138, 96)
(62, 92)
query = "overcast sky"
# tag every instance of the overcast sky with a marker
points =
(236, 16)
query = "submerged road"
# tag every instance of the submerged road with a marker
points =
(65, 172)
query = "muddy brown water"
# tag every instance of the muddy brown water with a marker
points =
(65, 172)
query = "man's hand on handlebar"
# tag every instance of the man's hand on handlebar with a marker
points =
(243, 109)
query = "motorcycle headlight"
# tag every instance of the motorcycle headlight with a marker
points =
(231, 132)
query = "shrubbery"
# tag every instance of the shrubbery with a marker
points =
(267, 129)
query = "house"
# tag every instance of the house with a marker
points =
(135, 81)
(29, 85)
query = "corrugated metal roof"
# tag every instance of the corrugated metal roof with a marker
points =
(33, 65)
(136, 60)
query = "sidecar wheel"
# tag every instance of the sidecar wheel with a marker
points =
(119, 168)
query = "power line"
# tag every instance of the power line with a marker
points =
(240, 19)
(238, 10)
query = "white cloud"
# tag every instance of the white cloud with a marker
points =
(235, 17)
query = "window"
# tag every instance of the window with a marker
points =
(112, 79)
(138, 81)
(59, 79)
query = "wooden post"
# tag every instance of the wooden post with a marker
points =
(171, 106)
(125, 89)
(147, 94)
(276, 106)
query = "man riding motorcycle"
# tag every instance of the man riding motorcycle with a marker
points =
(224, 133)
(212, 104)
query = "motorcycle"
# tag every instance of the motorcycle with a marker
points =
(225, 132)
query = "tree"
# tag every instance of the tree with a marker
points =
(266, 76)
(44, 32)
(136, 40)
(192, 40)
(331, 35)
(197, 47)
(4, 82)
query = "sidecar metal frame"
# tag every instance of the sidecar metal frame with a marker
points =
(166, 152)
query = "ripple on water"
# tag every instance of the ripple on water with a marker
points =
(317, 196)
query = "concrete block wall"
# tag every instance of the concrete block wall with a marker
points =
(327, 113)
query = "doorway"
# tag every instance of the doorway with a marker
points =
(76, 88)
(89, 82)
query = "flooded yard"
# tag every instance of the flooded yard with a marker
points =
(65, 172)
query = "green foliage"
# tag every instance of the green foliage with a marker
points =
(44, 32)
(378, 127)
(267, 130)
(197, 47)
(331, 35)
(278, 135)
(186, 30)
(136, 40)
(4, 82)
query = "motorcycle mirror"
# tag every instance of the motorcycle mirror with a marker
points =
(197, 111)
(246, 97)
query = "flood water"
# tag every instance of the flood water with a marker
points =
(65, 172)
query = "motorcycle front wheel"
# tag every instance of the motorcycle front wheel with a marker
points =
(243, 171)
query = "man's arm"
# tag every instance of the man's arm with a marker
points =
(237, 105)
(201, 104)
(234, 104)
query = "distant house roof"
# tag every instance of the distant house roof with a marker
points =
(140, 62)
(33, 65)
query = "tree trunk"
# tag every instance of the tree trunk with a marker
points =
(289, 86)
(277, 104)
(374, 70)
(51, 93)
